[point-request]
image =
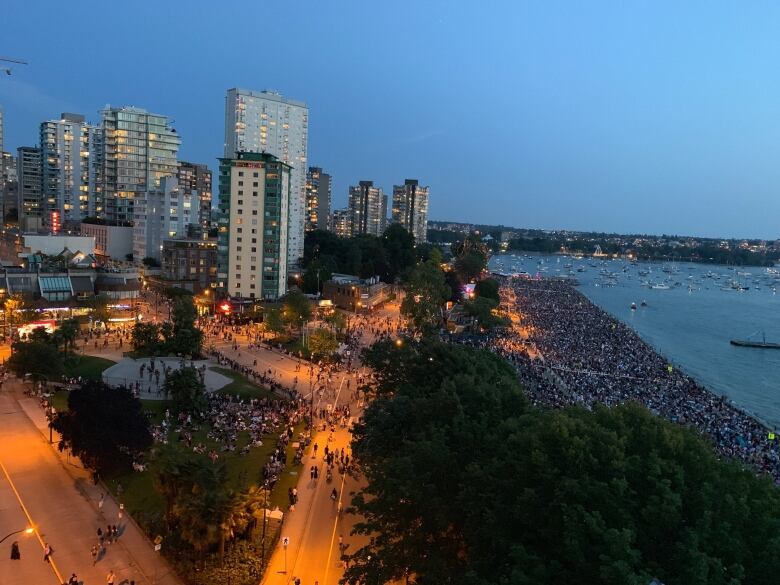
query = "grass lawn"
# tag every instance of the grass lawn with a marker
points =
(240, 386)
(59, 400)
(86, 366)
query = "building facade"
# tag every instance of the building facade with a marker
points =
(318, 193)
(139, 148)
(367, 209)
(355, 294)
(113, 241)
(29, 174)
(9, 185)
(266, 122)
(195, 179)
(71, 152)
(191, 263)
(254, 193)
(410, 208)
(341, 223)
(162, 213)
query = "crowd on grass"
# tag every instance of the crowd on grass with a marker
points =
(585, 356)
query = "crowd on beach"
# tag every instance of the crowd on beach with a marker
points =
(582, 355)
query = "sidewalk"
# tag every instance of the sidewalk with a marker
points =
(146, 566)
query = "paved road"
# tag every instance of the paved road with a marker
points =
(38, 486)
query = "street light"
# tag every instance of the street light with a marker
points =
(27, 530)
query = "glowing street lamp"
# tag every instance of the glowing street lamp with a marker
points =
(28, 531)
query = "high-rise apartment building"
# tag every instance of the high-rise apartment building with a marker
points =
(9, 185)
(195, 179)
(341, 223)
(410, 208)
(368, 209)
(139, 149)
(162, 213)
(71, 154)
(318, 192)
(266, 122)
(254, 195)
(29, 175)
(2, 122)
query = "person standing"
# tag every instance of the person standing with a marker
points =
(47, 552)
(73, 580)
(15, 554)
(95, 551)
(110, 578)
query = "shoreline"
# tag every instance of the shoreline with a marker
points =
(596, 358)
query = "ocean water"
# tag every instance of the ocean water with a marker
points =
(691, 322)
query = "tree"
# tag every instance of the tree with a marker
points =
(38, 356)
(487, 489)
(338, 320)
(272, 318)
(317, 273)
(470, 265)
(105, 427)
(183, 337)
(100, 311)
(398, 245)
(145, 338)
(67, 333)
(488, 288)
(187, 391)
(296, 308)
(482, 309)
(150, 262)
(200, 511)
(445, 405)
(322, 343)
(426, 292)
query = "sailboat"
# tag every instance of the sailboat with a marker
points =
(747, 342)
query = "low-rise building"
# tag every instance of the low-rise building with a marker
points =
(355, 294)
(190, 264)
(112, 241)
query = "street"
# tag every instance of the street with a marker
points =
(51, 492)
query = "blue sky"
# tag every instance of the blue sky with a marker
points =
(652, 117)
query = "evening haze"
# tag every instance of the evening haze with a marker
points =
(628, 117)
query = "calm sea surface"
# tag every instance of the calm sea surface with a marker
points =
(692, 321)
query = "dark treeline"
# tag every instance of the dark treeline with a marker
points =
(711, 253)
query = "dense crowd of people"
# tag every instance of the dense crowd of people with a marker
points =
(582, 355)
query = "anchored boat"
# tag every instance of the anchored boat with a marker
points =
(748, 342)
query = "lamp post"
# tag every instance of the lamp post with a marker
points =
(27, 530)
(265, 509)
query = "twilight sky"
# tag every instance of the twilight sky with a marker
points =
(651, 117)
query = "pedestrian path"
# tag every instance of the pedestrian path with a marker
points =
(81, 512)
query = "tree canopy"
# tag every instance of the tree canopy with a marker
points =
(487, 288)
(180, 336)
(467, 484)
(425, 293)
(322, 343)
(38, 356)
(364, 255)
(105, 427)
(296, 308)
(185, 387)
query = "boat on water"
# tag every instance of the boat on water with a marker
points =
(633, 306)
(643, 304)
(748, 342)
(660, 286)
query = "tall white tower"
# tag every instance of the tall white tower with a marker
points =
(267, 122)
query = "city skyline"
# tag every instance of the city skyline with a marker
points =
(588, 118)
